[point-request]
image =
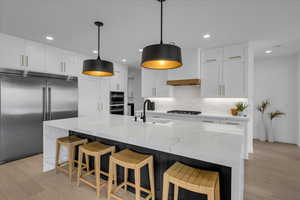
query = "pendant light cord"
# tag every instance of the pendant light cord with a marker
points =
(161, 21)
(98, 43)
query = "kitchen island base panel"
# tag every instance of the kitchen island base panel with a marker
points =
(162, 161)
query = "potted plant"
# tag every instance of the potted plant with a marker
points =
(262, 108)
(241, 108)
(272, 116)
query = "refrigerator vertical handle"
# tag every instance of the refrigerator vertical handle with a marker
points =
(44, 104)
(49, 104)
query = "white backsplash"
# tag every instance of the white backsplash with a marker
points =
(188, 98)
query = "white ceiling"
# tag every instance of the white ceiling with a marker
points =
(132, 24)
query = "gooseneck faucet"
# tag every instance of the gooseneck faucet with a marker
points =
(144, 110)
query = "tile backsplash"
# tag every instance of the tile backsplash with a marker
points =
(188, 98)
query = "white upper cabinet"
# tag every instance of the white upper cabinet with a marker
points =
(224, 72)
(190, 68)
(234, 80)
(118, 82)
(235, 52)
(72, 63)
(35, 56)
(12, 52)
(54, 60)
(210, 81)
(154, 83)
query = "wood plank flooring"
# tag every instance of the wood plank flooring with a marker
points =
(272, 173)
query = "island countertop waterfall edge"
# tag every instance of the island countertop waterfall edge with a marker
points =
(220, 144)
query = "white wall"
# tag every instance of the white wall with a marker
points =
(276, 79)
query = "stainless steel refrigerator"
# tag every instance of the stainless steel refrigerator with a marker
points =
(26, 100)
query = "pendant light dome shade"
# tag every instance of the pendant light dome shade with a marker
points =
(161, 56)
(98, 67)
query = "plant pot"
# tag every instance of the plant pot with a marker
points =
(270, 132)
(234, 111)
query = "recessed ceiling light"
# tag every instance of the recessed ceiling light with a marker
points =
(268, 51)
(49, 38)
(141, 50)
(206, 36)
(95, 51)
(124, 60)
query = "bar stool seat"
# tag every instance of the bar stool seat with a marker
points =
(131, 160)
(195, 180)
(96, 150)
(70, 142)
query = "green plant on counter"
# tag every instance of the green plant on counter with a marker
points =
(241, 106)
(263, 106)
(275, 114)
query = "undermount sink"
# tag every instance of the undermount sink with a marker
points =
(157, 121)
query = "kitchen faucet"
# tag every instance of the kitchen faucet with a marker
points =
(143, 117)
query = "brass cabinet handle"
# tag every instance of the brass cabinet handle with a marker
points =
(234, 57)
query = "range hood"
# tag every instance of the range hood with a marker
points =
(184, 82)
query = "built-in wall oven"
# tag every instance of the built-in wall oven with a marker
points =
(117, 103)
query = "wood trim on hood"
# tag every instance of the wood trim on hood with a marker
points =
(184, 82)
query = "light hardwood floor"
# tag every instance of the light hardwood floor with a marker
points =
(272, 173)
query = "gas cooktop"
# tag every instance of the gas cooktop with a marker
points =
(185, 112)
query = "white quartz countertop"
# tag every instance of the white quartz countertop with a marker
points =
(202, 116)
(216, 143)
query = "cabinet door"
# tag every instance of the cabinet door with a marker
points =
(12, 51)
(72, 64)
(35, 56)
(234, 79)
(210, 80)
(190, 68)
(148, 83)
(212, 55)
(234, 53)
(54, 60)
(104, 104)
(161, 87)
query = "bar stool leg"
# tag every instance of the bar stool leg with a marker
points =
(79, 167)
(125, 177)
(137, 176)
(175, 192)
(110, 179)
(165, 188)
(151, 177)
(217, 190)
(97, 173)
(87, 161)
(211, 195)
(57, 156)
(71, 161)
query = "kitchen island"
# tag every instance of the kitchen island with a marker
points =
(216, 147)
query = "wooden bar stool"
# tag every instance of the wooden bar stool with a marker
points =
(96, 150)
(70, 142)
(195, 180)
(130, 160)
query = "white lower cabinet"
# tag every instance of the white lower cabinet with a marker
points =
(154, 83)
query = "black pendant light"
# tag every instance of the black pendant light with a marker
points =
(161, 56)
(98, 67)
